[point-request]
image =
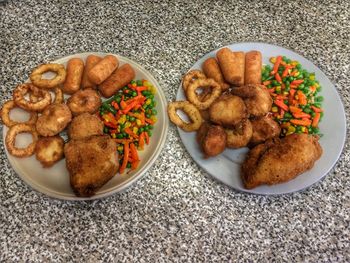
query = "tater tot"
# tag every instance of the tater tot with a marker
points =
(75, 68)
(90, 62)
(232, 66)
(253, 64)
(212, 70)
(119, 78)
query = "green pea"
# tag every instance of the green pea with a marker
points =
(128, 165)
(139, 82)
(313, 114)
(105, 130)
(146, 128)
(119, 136)
(118, 99)
(288, 115)
(149, 133)
(275, 83)
(125, 135)
(284, 58)
(127, 117)
(319, 99)
(307, 110)
(300, 76)
(147, 115)
(306, 74)
(132, 82)
(134, 93)
(298, 66)
(301, 86)
(132, 118)
(154, 112)
(150, 127)
(290, 78)
(141, 129)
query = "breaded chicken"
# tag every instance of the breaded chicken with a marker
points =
(280, 160)
(240, 135)
(49, 150)
(228, 110)
(85, 125)
(91, 163)
(212, 139)
(264, 128)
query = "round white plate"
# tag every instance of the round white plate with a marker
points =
(226, 166)
(54, 181)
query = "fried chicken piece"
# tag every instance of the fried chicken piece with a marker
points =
(240, 135)
(212, 139)
(85, 125)
(280, 160)
(256, 98)
(91, 163)
(49, 150)
(228, 110)
(264, 128)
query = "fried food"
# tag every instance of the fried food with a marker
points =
(90, 62)
(191, 111)
(10, 140)
(87, 100)
(37, 76)
(49, 150)
(240, 135)
(119, 78)
(85, 125)
(256, 98)
(264, 128)
(19, 97)
(190, 77)
(228, 110)
(75, 68)
(280, 160)
(212, 139)
(58, 96)
(253, 67)
(91, 163)
(193, 97)
(231, 65)
(103, 69)
(5, 115)
(212, 70)
(53, 120)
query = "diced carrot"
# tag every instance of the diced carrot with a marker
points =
(110, 125)
(294, 109)
(315, 109)
(278, 77)
(301, 122)
(122, 140)
(301, 115)
(281, 104)
(297, 82)
(142, 140)
(131, 133)
(134, 164)
(149, 121)
(316, 119)
(267, 82)
(271, 90)
(302, 98)
(147, 138)
(125, 159)
(133, 152)
(123, 104)
(276, 65)
(285, 71)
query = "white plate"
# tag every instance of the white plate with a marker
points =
(226, 166)
(54, 181)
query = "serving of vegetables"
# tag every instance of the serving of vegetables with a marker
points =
(296, 102)
(128, 118)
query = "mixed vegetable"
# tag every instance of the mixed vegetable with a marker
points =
(128, 118)
(296, 102)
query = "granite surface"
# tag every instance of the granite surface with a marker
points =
(177, 212)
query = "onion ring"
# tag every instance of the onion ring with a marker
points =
(10, 140)
(22, 89)
(191, 76)
(7, 107)
(58, 96)
(37, 73)
(195, 99)
(191, 111)
(83, 101)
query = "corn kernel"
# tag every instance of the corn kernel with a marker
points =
(135, 130)
(122, 119)
(291, 130)
(138, 122)
(303, 129)
(285, 92)
(312, 77)
(148, 101)
(120, 148)
(294, 63)
(113, 135)
(274, 109)
(273, 60)
(127, 124)
(153, 118)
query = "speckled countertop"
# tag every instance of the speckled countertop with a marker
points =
(176, 212)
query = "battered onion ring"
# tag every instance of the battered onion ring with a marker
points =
(82, 101)
(7, 107)
(191, 76)
(22, 89)
(10, 140)
(58, 96)
(195, 99)
(191, 111)
(36, 76)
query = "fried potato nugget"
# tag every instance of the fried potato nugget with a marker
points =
(280, 160)
(212, 139)
(240, 135)
(49, 150)
(264, 128)
(228, 110)
(85, 125)
(256, 98)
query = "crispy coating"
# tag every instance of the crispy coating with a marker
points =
(256, 98)
(87, 100)
(264, 128)
(280, 160)
(37, 76)
(191, 76)
(212, 139)
(91, 163)
(240, 135)
(212, 70)
(85, 125)
(228, 110)
(5, 115)
(191, 111)
(53, 120)
(49, 150)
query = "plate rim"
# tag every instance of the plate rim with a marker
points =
(125, 184)
(251, 191)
